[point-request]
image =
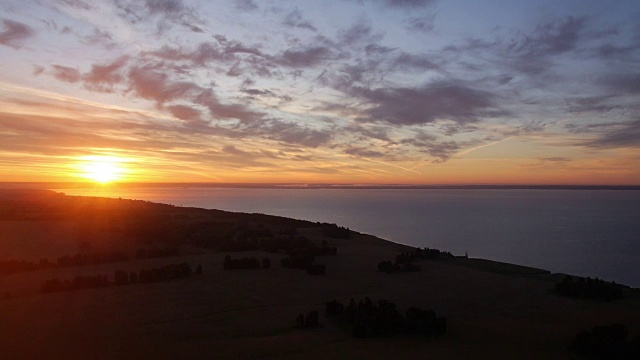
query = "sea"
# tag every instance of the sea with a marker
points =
(592, 233)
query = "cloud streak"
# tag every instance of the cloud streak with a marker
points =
(441, 100)
(15, 33)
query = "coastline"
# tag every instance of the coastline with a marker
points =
(477, 262)
(339, 186)
(493, 309)
(582, 232)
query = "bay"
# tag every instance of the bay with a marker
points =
(581, 232)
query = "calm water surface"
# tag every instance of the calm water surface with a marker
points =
(584, 232)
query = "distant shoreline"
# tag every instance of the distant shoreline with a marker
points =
(478, 263)
(76, 185)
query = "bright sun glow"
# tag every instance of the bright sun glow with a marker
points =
(103, 169)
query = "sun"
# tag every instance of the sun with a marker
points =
(102, 169)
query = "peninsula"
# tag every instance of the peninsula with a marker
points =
(112, 278)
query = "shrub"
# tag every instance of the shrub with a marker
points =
(121, 277)
(594, 289)
(381, 318)
(311, 320)
(317, 269)
(606, 342)
(335, 231)
(242, 263)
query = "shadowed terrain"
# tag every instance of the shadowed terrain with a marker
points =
(493, 310)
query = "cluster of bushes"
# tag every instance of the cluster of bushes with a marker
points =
(288, 231)
(335, 231)
(18, 266)
(154, 253)
(421, 254)
(91, 259)
(404, 261)
(304, 263)
(159, 274)
(79, 282)
(589, 288)
(292, 245)
(165, 273)
(304, 257)
(246, 238)
(606, 342)
(298, 260)
(245, 263)
(311, 320)
(324, 249)
(316, 269)
(286, 243)
(210, 234)
(272, 244)
(123, 278)
(257, 232)
(369, 319)
(304, 260)
(389, 267)
(262, 238)
(115, 256)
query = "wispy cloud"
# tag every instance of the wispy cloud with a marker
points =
(434, 101)
(295, 19)
(624, 136)
(66, 74)
(15, 33)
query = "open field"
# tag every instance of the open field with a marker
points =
(493, 311)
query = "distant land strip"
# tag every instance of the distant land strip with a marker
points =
(77, 185)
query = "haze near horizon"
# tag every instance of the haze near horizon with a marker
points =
(376, 92)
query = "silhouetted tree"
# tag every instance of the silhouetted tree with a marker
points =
(594, 289)
(378, 319)
(242, 263)
(311, 320)
(301, 259)
(606, 342)
(335, 231)
(334, 308)
(316, 269)
(121, 277)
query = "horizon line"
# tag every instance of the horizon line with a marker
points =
(298, 185)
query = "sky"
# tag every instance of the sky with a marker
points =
(336, 91)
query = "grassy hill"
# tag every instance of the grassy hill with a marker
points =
(493, 310)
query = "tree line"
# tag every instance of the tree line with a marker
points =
(607, 342)
(367, 318)
(245, 263)
(303, 257)
(395, 267)
(404, 261)
(335, 231)
(145, 276)
(421, 254)
(84, 259)
(594, 289)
